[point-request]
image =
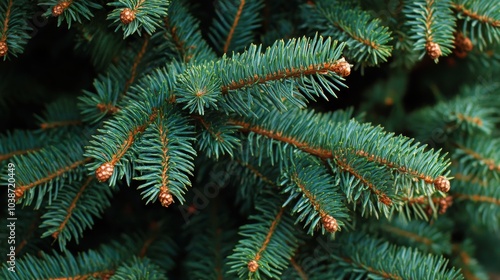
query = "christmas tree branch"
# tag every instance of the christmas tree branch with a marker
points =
(69, 210)
(3, 38)
(367, 40)
(344, 165)
(133, 71)
(16, 153)
(432, 25)
(124, 129)
(70, 10)
(135, 15)
(184, 36)
(408, 234)
(474, 14)
(233, 26)
(268, 243)
(166, 157)
(269, 234)
(278, 136)
(14, 27)
(56, 124)
(489, 162)
(338, 67)
(257, 173)
(477, 198)
(20, 190)
(299, 269)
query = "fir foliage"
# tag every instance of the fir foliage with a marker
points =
(166, 155)
(148, 15)
(366, 39)
(357, 256)
(206, 144)
(14, 29)
(431, 22)
(234, 24)
(74, 210)
(480, 20)
(269, 241)
(72, 11)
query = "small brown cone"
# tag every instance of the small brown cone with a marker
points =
(444, 204)
(343, 68)
(59, 8)
(104, 172)
(3, 48)
(165, 197)
(127, 16)
(463, 45)
(442, 184)
(329, 223)
(253, 265)
(19, 192)
(433, 50)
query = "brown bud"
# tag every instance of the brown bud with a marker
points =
(104, 172)
(59, 8)
(19, 192)
(253, 265)
(329, 223)
(127, 16)
(462, 43)
(433, 50)
(165, 197)
(343, 68)
(442, 184)
(3, 48)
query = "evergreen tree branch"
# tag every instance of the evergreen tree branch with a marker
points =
(322, 153)
(218, 137)
(470, 267)
(74, 210)
(344, 165)
(18, 142)
(460, 8)
(357, 251)
(299, 269)
(70, 10)
(478, 198)
(320, 199)
(481, 21)
(367, 40)
(338, 67)
(124, 129)
(166, 157)
(20, 190)
(234, 24)
(434, 238)
(183, 34)
(432, 26)
(69, 211)
(5, 25)
(133, 71)
(267, 246)
(470, 151)
(137, 15)
(13, 27)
